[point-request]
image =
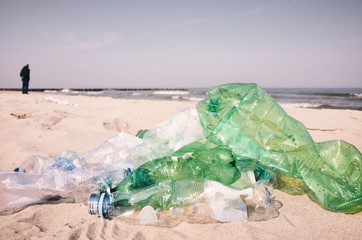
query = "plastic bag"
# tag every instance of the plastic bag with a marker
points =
(245, 118)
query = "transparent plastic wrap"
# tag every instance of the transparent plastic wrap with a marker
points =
(171, 135)
(245, 118)
(73, 176)
(162, 140)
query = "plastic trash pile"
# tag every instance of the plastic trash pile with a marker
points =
(217, 162)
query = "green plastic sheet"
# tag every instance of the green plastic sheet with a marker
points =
(246, 119)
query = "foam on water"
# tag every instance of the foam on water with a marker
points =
(357, 95)
(69, 91)
(63, 102)
(195, 99)
(301, 105)
(171, 92)
(95, 93)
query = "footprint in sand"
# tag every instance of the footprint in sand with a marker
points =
(117, 124)
(51, 121)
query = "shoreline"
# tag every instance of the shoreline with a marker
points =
(311, 98)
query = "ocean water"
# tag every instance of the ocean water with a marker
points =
(330, 98)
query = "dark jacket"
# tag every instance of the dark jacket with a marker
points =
(25, 74)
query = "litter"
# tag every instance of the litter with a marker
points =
(217, 161)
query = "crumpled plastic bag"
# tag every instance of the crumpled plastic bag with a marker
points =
(249, 121)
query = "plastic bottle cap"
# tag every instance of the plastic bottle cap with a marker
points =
(93, 203)
(100, 204)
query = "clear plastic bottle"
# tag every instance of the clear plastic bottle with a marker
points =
(165, 195)
(197, 200)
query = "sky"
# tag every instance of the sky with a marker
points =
(172, 44)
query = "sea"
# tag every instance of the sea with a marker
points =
(319, 98)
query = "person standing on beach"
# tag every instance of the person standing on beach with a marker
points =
(25, 78)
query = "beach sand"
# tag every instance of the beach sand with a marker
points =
(45, 124)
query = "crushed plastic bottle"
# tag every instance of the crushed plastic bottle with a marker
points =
(215, 164)
(74, 176)
(186, 178)
(151, 204)
(127, 151)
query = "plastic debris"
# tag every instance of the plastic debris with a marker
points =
(220, 202)
(141, 133)
(40, 178)
(215, 162)
(257, 130)
(147, 215)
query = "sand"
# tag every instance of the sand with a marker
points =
(45, 124)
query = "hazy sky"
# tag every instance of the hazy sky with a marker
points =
(169, 43)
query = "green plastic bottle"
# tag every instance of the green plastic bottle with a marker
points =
(160, 196)
(161, 183)
(215, 164)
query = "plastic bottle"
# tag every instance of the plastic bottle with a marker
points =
(71, 175)
(165, 195)
(127, 151)
(182, 180)
(170, 202)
